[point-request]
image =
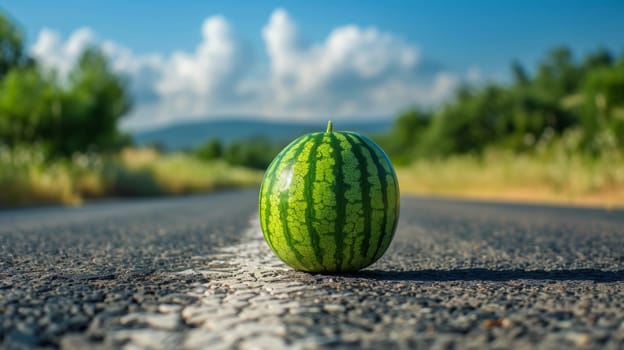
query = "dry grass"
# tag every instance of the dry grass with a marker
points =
(564, 178)
(553, 176)
(181, 173)
(27, 179)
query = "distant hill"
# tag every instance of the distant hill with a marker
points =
(192, 134)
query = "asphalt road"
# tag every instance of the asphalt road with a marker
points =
(195, 273)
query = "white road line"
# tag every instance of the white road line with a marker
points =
(248, 293)
(245, 299)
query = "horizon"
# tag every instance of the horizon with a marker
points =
(184, 122)
(303, 63)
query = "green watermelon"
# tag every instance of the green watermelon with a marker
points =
(329, 202)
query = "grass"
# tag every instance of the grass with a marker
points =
(550, 177)
(552, 173)
(181, 174)
(26, 178)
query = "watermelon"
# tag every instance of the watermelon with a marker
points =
(329, 202)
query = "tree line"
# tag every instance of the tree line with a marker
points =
(562, 95)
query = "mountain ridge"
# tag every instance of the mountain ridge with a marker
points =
(191, 134)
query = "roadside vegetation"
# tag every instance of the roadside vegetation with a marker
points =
(27, 178)
(556, 135)
(553, 133)
(551, 177)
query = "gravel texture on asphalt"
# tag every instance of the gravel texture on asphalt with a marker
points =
(195, 273)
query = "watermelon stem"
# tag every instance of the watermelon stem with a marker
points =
(329, 126)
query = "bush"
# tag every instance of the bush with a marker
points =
(255, 153)
(210, 150)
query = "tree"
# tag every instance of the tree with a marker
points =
(600, 58)
(77, 115)
(520, 75)
(558, 75)
(406, 134)
(210, 150)
(28, 101)
(255, 152)
(604, 102)
(92, 107)
(11, 46)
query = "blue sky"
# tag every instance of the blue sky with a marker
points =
(453, 41)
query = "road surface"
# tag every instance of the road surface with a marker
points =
(195, 273)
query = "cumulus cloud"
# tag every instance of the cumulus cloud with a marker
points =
(351, 72)
(50, 49)
(215, 63)
(144, 71)
(354, 72)
(201, 83)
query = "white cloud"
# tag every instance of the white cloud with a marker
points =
(354, 72)
(473, 74)
(215, 63)
(144, 71)
(52, 51)
(200, 83)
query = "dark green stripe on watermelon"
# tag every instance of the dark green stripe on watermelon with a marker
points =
(384, 186)
(352, 228)
(287, 154)
(339, 190)
(309, 188)
(390, 194)
(365, 188)
(268, 183)
(263, 206)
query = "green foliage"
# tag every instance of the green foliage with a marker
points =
(558, 75)
(11, 46)
(255, 153)
(91, 109)
(28, 101)
(407, 133)
(563, 94)
(604, 98)
(78, 113)
(213, 149)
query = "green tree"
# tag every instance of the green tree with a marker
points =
(254, 152)
(563, 94)
(558, 74)
(597, 59)
(28, 101)
(604, 103)
(11, 46)
(213, 149)
(91, 109)
(77, 113)
(520, 75)
(403, 140)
